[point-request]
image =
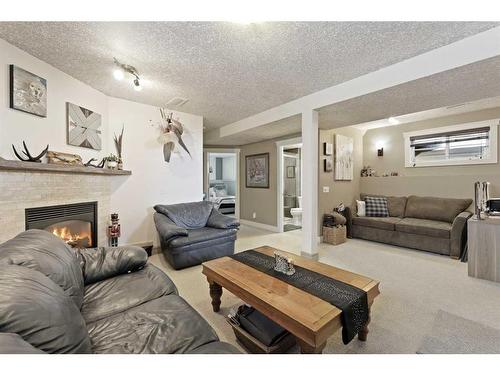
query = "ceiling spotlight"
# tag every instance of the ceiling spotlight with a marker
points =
(393, 120)
(119, 73)
(137, 85)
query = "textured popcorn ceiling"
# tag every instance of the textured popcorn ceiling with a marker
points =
(229, 71)
(468, 83)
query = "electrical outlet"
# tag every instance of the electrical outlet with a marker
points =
(254, 215)
(326, 189)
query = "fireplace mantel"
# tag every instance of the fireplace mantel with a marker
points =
(23, 166)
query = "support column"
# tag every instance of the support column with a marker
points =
(310, 184)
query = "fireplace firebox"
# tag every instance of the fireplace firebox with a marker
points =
(75, 223)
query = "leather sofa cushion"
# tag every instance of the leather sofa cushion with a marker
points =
(164, 325)
(216, 347)
(424, 227)
(395, 205)
(44, 252)
(38, 310)
(12, 343)
(386, 223)
(190, 215)
(202, 235)
(115, 295)
(431, 208)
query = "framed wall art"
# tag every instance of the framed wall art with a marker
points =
(344, 148)
(257, 171)
(84, 127)
(28, 92)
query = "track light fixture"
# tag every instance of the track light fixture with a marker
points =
(119, 73)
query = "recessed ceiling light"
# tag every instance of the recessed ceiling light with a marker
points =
(393, 120)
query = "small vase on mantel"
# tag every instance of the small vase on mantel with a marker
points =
(120, 164)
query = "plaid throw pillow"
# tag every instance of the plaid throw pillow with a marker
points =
(376, 207)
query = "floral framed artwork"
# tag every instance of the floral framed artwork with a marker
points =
(257, 171)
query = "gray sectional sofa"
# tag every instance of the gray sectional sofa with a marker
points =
(438, 225)
(54, 299)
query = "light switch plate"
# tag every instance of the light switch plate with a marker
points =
(326, 189)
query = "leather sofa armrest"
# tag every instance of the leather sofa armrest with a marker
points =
(167, 229)
(12, 343)
(105, 262)
(458, 236)
(220, 221)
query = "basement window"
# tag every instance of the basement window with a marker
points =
(464, 144)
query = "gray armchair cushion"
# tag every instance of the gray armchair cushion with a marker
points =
(431, 208)
(12, 343)
(44, 252)
(191, 215)
(105, 262)
(459, 234)
(167, 228)
(203, 235)
(429, 228)
(220, 221)
(38, 310)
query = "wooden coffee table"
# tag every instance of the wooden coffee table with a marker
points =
(309, 318)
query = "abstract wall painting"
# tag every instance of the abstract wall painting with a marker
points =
(344, 163)
(84, 127)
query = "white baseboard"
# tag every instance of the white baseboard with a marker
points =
(254, 224)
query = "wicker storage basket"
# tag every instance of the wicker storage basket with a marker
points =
(334, 235)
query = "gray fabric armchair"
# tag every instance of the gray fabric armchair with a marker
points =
(192, 233)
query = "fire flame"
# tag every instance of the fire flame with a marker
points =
(72, 239)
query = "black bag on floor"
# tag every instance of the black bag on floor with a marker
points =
(260, 326)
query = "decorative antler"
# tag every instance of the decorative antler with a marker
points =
(90, 164)
(36, 159)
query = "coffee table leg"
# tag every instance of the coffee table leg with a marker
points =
(363, 333)
(215, 294)
(306, 348)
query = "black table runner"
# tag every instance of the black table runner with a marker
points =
(351, 300)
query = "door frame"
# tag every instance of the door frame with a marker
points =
(206, 181)
(279, 178)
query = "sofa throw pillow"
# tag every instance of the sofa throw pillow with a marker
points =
(376, 207)
(361, 208)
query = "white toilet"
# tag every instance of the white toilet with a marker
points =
(297, 213)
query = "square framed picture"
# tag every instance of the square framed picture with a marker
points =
(327, 165)
(28, 92)
(84, 127)
(257, 171)
(327, 149)
(290, 172)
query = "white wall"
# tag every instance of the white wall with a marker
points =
(16, 126)
(153, 181)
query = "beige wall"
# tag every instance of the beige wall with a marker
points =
(445, 181)
(261, 201)
(340, 191)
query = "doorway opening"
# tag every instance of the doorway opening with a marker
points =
(222, 181)
(290, 186)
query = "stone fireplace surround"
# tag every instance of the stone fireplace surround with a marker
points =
(25, 189)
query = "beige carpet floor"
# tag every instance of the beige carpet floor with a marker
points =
(414, 286)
